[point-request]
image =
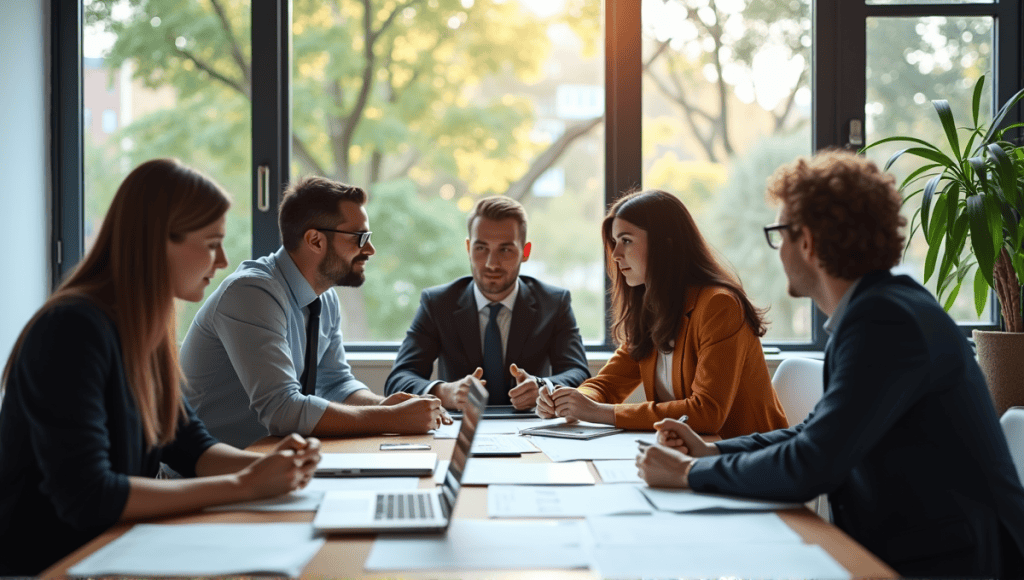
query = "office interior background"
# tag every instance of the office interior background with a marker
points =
(562, 104)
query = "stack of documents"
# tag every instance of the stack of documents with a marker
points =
(308, 499)
(204, 550)
(541, 501)
(617, 446)
(486, 471)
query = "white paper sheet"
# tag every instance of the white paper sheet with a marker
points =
(522, 501)
(492, 427)
(674, 529)
(485, 545)
(204, 550)
(448, 431)
(717, 561)
(685, 500)
(617, 446)
(308, 500)
(618, 471)
(487, 471)
(503, 444)
(496, 471)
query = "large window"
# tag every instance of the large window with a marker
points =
(562, 104)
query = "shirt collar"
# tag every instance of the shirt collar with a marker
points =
(837, 314)
(301, 291)
(508, 302)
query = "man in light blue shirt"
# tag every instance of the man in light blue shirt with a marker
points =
(245, 355)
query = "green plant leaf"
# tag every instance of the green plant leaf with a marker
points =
(1006, 173)
(976, 100)
(952, 297)
(929, 261)
(916, 173)
(926, 205)
(980, 291)
(981, 239)
(940, 218)
(997, 119)
(948, 125)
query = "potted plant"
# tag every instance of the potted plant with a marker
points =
(974, 193)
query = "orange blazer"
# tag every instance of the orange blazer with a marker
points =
(719, 375)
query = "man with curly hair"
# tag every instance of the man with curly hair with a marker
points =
(905, 440)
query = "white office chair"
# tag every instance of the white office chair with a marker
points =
(1012, 422)
(799, 383)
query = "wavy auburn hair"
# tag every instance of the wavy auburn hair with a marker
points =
(127, 274)
(678, 258)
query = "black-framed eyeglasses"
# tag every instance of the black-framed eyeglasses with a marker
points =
(773, 234)
(364, 237)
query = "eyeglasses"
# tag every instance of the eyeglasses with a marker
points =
(364, 237)
(773, 234)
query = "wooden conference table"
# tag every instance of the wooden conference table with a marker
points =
(343, 556)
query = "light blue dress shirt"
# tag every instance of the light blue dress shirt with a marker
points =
(245, 350)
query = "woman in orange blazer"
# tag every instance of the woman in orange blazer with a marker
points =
(687, 332)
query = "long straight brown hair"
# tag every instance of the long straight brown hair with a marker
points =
(127, 275)
(647, 316)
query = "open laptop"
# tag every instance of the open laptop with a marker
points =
(376, 465)
(424, 510)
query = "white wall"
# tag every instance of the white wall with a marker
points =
(24, 165)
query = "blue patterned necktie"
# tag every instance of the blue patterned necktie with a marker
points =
(494, 359)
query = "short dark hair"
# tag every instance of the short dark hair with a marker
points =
(850, 206)
(311, 203)
(497, 208)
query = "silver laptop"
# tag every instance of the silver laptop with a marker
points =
(424, 510)
(376, 465)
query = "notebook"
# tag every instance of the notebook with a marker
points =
(376, 465)
(424, 510)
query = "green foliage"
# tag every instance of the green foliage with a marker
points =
(972, 194)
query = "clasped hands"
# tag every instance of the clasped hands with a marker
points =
(668, 463)
(425, 407)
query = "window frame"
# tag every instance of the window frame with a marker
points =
(836, 100)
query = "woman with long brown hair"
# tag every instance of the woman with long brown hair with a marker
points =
(92, 398)
(687, 332)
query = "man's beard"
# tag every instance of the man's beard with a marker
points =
(335, 270)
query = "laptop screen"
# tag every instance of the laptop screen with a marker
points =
(463, 443)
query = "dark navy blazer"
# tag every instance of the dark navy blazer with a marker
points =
(543, 339)
(905, 442)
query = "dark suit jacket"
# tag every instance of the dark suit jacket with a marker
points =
(543, 339)
(905, 441)
(70, 436)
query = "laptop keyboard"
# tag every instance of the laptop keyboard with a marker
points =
(403, 506)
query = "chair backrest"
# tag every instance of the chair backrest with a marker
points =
(799, 383)
(1013, 427)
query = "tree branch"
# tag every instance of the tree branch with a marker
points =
(546, 159)
(236, 50)
(201, 65)
(305, 158)
(780, 118)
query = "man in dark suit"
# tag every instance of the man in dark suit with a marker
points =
(514, 332)
(905, 440)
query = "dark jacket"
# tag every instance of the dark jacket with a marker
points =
(905, 442)
(543, 339)
(69, 438)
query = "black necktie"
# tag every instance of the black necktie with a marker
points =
(494, 359)
(308, 378)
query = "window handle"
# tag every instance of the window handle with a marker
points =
(263, 188)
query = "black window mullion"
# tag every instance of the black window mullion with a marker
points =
(623, 109)
(67, 150)
(271, 118)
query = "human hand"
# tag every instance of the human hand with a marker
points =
(465, 385)
(288, 467)
(575, 406)
(678, 435)
(418, 415)
(545, 404)
(524, 394)
(661, 466)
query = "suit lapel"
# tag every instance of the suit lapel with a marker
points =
(467, 323)
(524, 316)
